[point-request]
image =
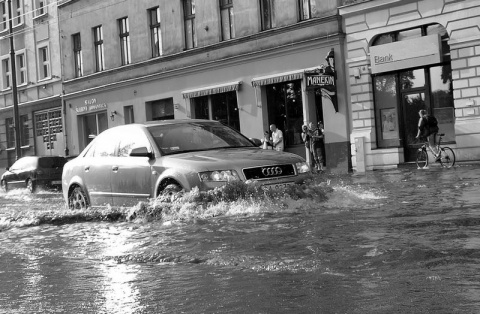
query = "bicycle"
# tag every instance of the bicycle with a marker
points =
(445, 156)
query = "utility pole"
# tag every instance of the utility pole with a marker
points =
(16, 116)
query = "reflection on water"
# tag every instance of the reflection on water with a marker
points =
(393, 241)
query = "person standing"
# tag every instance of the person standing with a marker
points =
(317, 145)
(428, 129)
(266, 141)
(306, 138)
(277, 138)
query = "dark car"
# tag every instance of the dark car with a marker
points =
(130, 163)
(34, 171)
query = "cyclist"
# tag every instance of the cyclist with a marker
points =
(428, 128)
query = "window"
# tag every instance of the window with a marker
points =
(6, 73)
(307, 8)
(4, 14)
(125, 41)
(267, 14)
(21, 68)
(285, 110)
(155, 32)
(130, 139)
(99, 51)
(226, 15)
(17, 12)
(162, 109)
(10, 132)
(44, 62)
(77, 55)
(39, 7)
(24, 131)
(189, 16)
(93, 124)
(128, 114)
(222, 107)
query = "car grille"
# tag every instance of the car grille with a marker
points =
(269, 172)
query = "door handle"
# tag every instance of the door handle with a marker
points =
(115, 168)
(87, 168)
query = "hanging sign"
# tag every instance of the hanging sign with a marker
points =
(324, 79)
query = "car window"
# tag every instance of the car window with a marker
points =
(104, 145)
(196, 136)
(51, 162)
(131, 138)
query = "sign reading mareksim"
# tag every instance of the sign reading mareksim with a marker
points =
(324, 79)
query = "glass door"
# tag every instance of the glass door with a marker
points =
(412, 103)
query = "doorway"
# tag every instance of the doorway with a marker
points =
(412, 103)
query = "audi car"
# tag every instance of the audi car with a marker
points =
(130, 163)
(34, 171)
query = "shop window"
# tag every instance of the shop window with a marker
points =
(400, 95)
(10, 132)
(285, 110)
(221, 107)
(226, 16)
(24, 131)
(307, 8)
(189, 20)
(155, 32)
(162, 109)
(267, 14)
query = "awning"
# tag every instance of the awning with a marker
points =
(210, 90)
(277, 78)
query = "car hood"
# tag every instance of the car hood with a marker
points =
(238, 157)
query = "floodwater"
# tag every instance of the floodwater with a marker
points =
(390, 241)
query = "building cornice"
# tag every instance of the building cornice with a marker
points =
(369, 6)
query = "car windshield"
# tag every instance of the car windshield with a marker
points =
(51, 162)
(196, 136)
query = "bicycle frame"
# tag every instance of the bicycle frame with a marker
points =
(444, 155)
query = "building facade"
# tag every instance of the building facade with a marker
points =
(248, 63)
(403, 56)
(37, 62)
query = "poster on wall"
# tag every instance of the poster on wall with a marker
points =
(389, 124)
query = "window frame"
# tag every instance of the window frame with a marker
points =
(6, 73)
(267, 14)
(189, 24)
(9, 132)
(77, 54)
(124, 34)
(155, 32)
(21, 58)
(24, 130)
(99, 49)
(227, 6)
(40, 8)
(44, 62)
(311, 9)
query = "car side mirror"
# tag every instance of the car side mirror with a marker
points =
(140, 152)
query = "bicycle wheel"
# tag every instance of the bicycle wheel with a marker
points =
(448, 157)
(422, 158)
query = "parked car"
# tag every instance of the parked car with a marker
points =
(130, 163)
(33, 171)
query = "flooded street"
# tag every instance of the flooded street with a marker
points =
(391, 241)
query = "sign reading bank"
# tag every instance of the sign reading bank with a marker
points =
(405, 54)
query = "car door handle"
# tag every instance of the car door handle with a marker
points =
(115, 168)
(87, 168)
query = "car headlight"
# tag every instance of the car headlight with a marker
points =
(302, 167)
(219, 176)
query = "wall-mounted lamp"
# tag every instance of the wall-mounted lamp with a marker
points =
(44, 86)
(206, 28)
(356, 73)
(112, 115)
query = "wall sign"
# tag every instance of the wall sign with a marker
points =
(406, 54)
(324, 79)
(90, 105)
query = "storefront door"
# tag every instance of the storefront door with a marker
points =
(49, 138)
(94, 124)
(412, 103)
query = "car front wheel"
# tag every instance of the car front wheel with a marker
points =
(31, 186)
(77, 199)
(3, 183)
